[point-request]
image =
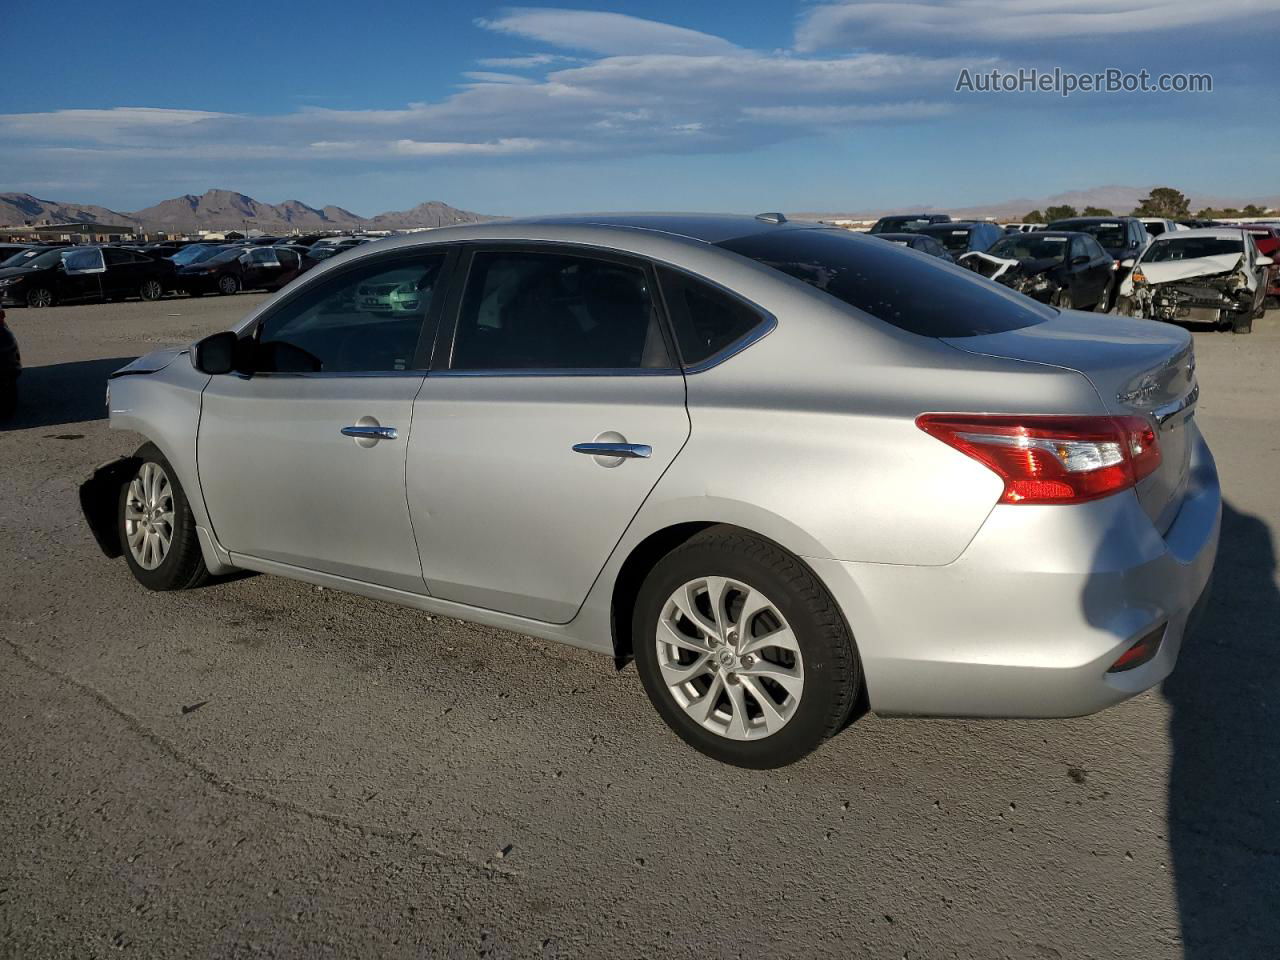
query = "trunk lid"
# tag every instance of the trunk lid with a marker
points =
(1137, 367)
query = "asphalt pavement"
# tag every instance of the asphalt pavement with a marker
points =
(264, 768)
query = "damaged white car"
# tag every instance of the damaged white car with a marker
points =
(1211, 275)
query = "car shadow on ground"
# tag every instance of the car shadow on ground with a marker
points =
(1224, 783)
(63, 394)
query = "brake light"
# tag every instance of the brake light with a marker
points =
(1052, 459)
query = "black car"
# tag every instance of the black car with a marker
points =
(907, 222)
(10, 369)
(1064, 269)
(232, 269)
(8, 250)
(1124, 239)
(963, 236)
(80, 274)
(921, 242)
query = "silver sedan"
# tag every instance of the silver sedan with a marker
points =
(784, 469)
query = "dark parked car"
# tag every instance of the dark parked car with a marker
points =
(907, 222)
(79, 274)
(240, 268)
(8, 250)
(963, 236)
(1124, 239)
(1067, 270)
(918, 241)
(10, 369)
(195, 252)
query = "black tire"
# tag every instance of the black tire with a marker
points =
(832, 674)
(1062, 300)
(151, 290)
(1242, 323)
(8, 398)
(228, 284)
(40, 297)
(1102, 304)
(183, 566)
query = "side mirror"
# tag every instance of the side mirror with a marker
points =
(215, 354)
(1079, 261)
(1264, 261)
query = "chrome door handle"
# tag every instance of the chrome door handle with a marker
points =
(363, 432)
(630, 451)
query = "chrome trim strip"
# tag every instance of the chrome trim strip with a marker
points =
(629, 451)
(1165, 415)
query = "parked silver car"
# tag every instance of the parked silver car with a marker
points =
(784, 468)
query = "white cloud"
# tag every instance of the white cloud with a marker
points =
(610, 34)
(485, 76)
(809, 116)
(859, 23)
(508, 145)
(526, 62)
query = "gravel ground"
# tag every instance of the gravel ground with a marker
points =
(263, 768)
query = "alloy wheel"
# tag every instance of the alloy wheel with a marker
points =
(151, 290)
(149, 516)
(41, 297)
(228, 285)
(729, 658)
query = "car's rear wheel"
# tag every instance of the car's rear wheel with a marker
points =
(743, 651)
(8, 398)
(228, 284)
(151, 290)
(1104, 300)
(40, 297)
(157, 530)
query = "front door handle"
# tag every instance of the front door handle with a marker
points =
(629, 451)
(369, 434)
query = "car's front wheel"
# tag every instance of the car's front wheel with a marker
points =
(40, 297)
(228, 284)
(151, 290)
(157, 530)
(743, 651)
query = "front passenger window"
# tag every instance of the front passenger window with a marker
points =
(367, 319)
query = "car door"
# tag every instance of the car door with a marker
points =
(123, 275)
(261, 268)
(80, 275)
(548, 417)
(302, 460)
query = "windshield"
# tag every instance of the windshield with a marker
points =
(223, 255)
(955, 239)
(42, 257)
(1191, 248)
(1030, 247)
(196, 253)
(921, 295)
(323, 252)
(899, 224)
(1109, 233)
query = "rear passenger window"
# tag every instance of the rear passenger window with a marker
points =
(550, 311)
(706, 320)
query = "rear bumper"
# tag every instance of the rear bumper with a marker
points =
(1028, 620)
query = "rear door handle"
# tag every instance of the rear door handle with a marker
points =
(363, 432)
(630, 451)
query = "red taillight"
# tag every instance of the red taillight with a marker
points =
(1143, 651)
(1052, 459)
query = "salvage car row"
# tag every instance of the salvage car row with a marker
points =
(1141, 267)
(45, 275)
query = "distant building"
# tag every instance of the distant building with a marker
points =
(70, 232)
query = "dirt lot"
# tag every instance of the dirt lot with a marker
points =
(263, 768)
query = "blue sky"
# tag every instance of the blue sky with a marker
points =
(759, 104)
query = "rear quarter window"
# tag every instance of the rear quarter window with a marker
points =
(921, 296)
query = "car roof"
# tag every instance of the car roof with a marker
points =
(902, 236)
(1094, 219)
(1217, 233)
(707, 227)
(952, 224)
(1044, 233)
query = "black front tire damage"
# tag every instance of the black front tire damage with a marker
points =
(183, 568)
(833, 675)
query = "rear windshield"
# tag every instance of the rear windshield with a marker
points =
(1189, 248)
(1110, 233)
(918, 294)
(955, 239)
(899, 224)
(1030, 246)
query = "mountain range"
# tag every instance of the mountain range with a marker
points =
(1119, 200)
(228, 210)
